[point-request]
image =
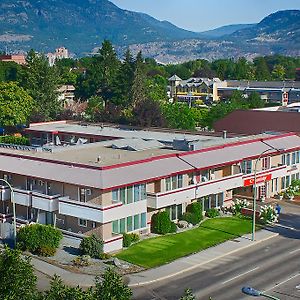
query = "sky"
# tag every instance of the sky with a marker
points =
(201, 15)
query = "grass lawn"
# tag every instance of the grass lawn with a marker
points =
(161, 250)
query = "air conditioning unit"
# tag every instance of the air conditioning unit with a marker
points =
(88, 192)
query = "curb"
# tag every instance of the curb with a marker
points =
(202, 263)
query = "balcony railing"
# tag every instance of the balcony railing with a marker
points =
(185, 194)
(99, 213)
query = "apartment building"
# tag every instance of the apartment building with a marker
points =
(116, 184)
(205, 90)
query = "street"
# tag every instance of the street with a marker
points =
(272, 266)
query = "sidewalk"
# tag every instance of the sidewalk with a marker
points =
(177, 267)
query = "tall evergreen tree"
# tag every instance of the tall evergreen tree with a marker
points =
(139, 93)
(41, 82)
(124, 81)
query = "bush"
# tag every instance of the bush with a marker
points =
(193, 213)
(268, 214)
(46, 251)
(212, 213)
(92, 246)
(238, 205)
(16, 140)
(129, 238)
(39, 239)
(82, 261)
(190, 218)
(161, 223)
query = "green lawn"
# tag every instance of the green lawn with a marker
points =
(164, 249)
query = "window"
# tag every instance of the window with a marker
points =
(143, 220)
(123, 195)
(129, 194)
(293, 158)
(180, 181)
(266, 163)
(168, 184)
(246, 166)
(136, 222)
(115, 226)
(115, 195)
(82, 222)
(174, 182)
(122, 225)
(82, 195)
(129, 223)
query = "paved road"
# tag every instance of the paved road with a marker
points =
(273, 265)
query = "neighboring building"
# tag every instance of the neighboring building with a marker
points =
(59, 53)
(259, 121)
(195, 91)
(83, 186)
(281, 92)
(66, 95)
(205, 90)
(17, 58)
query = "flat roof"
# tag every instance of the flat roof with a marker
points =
(117, 132)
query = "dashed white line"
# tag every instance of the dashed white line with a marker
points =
(294, 251)
(240, 275)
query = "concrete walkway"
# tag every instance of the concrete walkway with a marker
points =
(177, 267)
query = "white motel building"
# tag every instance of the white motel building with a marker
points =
(108, 180)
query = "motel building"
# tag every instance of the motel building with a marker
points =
(109, 180)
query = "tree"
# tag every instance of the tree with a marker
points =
(103, 72)
(178, 115)
(188, 295)
(111, 287)
(124, 81)
(95, 106)
(262, 71)
(157, 88)
(59, 291)
(255, 101)
(41, 82)
(139, 81)
(148, 113)
(15, 105)
(278, 72)
(17, 280)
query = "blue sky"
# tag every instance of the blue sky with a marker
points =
(200, 15)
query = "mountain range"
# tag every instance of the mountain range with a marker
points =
(82, 25)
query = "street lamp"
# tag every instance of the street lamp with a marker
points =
(254, 184)
(255, 293)
(14, 209)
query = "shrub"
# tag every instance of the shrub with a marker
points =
(212, 213)
(238, 205)
(268, 214)
(39, 239)
(190, 218)
(16, 140)
(92, 246)
(82, 261)
(129, 238)
(161, 223)
(46, 251)
(193, 213)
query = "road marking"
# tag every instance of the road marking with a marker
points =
(286, 227)
(294, 251)
(240, 275)
(282, 282)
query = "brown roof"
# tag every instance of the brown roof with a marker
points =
(255, 122)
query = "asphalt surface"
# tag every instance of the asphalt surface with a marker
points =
(272, 266)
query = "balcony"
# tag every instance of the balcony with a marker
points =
(4, 193)
(185, 194)
(22, 197)
(45, 202)
(98, 213)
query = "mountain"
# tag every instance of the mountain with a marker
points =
(278, 33)
(79, 25)
(225, 30)
(82, 25)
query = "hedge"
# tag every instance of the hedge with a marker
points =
(161, 223)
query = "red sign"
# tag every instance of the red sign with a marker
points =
(259, 179)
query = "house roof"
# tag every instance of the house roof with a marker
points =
(259, 121)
